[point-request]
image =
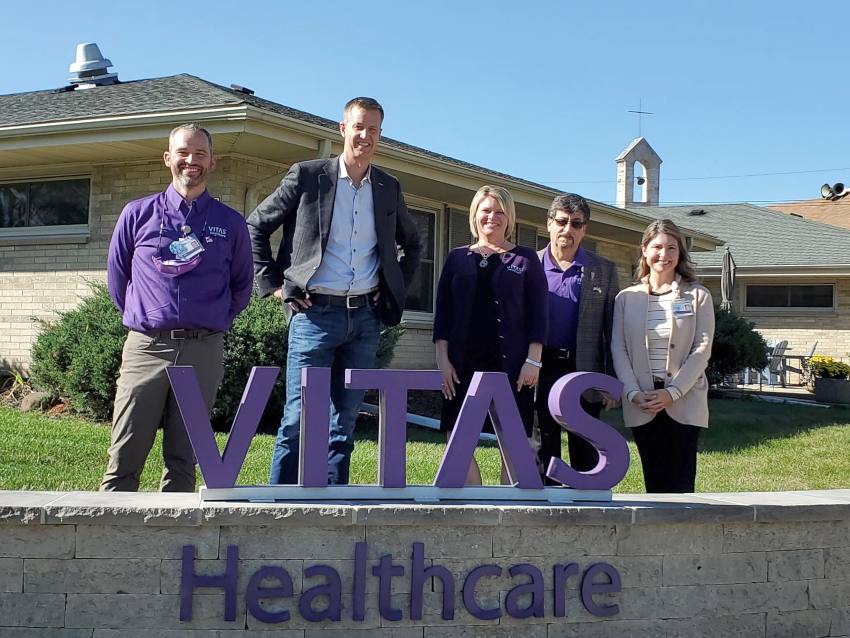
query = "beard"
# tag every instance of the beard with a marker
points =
(191, 181)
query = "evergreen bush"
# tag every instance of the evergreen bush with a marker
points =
(736, 346)
(78, 356)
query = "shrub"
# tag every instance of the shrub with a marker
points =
(828, 368)
(78, 356)
(258, 337)
(736, 346)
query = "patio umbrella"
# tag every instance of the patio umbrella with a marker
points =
(727, 280)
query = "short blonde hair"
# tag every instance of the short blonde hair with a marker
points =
(505, 200)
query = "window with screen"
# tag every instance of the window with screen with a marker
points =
(420, 295)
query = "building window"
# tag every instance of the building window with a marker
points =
(420, 295)
(526, 235)
(458, 228)
(803, 296)
(44, 204)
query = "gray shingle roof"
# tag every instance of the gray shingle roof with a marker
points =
(176, 92)
(759, 236)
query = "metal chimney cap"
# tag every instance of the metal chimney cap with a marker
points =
(89, 58)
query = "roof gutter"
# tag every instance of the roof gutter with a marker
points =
(783, 271)
(252, 193)
(224, 119)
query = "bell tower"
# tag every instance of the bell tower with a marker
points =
(649, 163)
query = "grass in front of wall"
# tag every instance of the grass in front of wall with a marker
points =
(750, 446)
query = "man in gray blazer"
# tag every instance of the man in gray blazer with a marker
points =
(582, 288)
(339, 274)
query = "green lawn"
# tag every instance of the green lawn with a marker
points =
(751, 445)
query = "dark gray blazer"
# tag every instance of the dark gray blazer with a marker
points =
(599, 288)
(303, 204)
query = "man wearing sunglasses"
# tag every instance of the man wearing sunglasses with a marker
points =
(179, 270)
(582, 288)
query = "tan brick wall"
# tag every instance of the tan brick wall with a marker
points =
(415, 350)
(625, 257)
(37, 280)
(831, 330)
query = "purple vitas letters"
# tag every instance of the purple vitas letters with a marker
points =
(489, 393)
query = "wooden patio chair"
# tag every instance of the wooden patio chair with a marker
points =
(775, 365)
(803, 370)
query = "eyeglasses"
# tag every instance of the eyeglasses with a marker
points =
(575, 223)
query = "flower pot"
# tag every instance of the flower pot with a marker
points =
(832, 390)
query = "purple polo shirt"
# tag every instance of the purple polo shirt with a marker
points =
(209, 296)
(564, 297)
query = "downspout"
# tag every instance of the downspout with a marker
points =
(252, 193)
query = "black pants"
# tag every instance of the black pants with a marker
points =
(451, 408)
(668, 454)
(583, 456)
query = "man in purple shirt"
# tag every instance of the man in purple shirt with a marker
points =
(179, 270)
(582, 288)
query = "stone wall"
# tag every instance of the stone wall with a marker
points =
(730, 565)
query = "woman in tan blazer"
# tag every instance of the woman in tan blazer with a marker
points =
(661, 343)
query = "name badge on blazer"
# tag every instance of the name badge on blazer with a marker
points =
(682, 308)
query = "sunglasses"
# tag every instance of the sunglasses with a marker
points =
(575, 223)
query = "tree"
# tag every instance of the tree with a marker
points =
(736, 346)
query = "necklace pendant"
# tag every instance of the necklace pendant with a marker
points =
(483, 262)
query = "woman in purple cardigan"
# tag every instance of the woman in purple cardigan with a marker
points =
(491, 311)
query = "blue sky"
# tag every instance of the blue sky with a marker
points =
(539, 90)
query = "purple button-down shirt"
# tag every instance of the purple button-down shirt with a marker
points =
(564, 297)
(209, 296)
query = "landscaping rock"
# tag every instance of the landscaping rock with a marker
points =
(34, 401)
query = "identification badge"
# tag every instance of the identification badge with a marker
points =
(186, 247)
(682, 308)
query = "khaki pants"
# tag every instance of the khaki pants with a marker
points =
(144, 401)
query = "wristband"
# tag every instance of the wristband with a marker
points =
(532, 362)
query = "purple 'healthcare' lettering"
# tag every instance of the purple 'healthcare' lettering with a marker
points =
(330, 606)
(256, 592)
(534, 587)
(589, 588)
(189, 581)
(331, 590)
(469, 584)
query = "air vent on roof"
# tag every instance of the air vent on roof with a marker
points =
(90, 68)
(242, 89)
(696, 212)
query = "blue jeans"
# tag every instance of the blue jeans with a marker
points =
(325, 337)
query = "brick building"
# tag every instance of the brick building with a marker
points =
(70, 158)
